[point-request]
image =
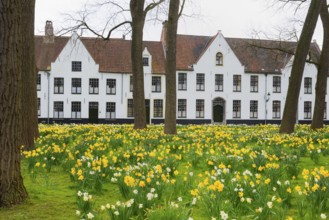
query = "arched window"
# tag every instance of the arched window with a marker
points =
(219, 59)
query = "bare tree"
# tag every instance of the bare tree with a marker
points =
(323, 68)
(291, 104)
(171, 91)
(12, 190)
(29, 102)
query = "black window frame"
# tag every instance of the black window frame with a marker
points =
(130, 108)
(131, 83)
(236, 110)
(157, 108)
(39, 106)
(93, 86)
(254, 83)
(110, 110)
(237, 83)
(307, 85)
(200, 82)
(219, 82)
(111, 86)
(76, 85)
(307, 110)
(276, 109)
(253, 109)
(76, 66)
(182, 108)
(75, 110)
(199, 108)
(146, 61)
(219, 59)
(182, 81)
(39, 82)
(276, 84)
(58, 84)
(156, 83)
(58, 108)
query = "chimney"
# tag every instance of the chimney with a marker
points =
(49, 33)
(124, 37)
(164, 34)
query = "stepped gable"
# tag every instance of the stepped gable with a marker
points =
(266, 56)
(189, 49)
(113, 56)
(46, 53)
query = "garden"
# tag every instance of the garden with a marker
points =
(204, 172)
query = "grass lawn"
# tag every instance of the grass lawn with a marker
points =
(239, 171)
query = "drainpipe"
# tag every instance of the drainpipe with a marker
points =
(48, 99)
(266, 98)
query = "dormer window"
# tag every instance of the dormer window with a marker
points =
(145, 61)
(76, 66)
(219, 59)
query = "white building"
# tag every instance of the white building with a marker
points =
(219, 80)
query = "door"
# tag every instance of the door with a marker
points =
(218, 114)
(93, 112)
(147, 111)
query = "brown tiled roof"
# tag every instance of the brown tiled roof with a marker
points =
(189, 49)
(46, 53)
(266, 56)
(114, 55)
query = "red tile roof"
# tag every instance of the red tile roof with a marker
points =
(113, 56)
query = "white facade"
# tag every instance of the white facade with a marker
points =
(206, 64)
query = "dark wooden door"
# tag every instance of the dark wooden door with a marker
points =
(218, 112)
(93, 112)
(147, 111)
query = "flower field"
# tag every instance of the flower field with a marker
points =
(204, 172)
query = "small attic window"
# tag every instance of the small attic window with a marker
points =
(145, 61)
(76, 66)
(219, 59)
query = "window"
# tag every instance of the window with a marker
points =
(76, 86)
(219, 59)
(276, 84)
(253, 83)
(39, 107)
(307, 85)
(111, 86)
(200, 82)
(39, 82)
(110, 110)
(307, 110)
(219, 82)
(253, 109)
(76, 110)
(181, 108)
(325, 111)
(199, 108)
(131, 84)
(182, 81)
(236, 108)
(236, 83)
(276, 109)
(76, 66)
(58, 85)
(130, 108)
(58, 110)
(156, 83)
(158, 108)
(145, 61)
(93, 86)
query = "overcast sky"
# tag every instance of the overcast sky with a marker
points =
(235, 18)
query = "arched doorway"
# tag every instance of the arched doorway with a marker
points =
(218, 110)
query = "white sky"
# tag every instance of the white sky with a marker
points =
(235, 18)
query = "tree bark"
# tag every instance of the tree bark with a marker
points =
(12, 190)
(303, 46)
(171, 96)
(323, 69)
(29, 111)
(138, 21)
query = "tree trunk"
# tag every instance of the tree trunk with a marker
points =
(29, 111)
(323, 69)
(303, 46)
(12, 190)
(171, 96)
(138, 20)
